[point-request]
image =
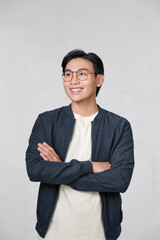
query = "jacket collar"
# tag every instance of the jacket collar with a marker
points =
(69, 114)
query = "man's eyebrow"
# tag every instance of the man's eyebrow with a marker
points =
(77, 70)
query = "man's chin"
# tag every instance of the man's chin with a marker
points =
(76, 98)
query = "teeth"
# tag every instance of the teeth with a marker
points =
(75, 90)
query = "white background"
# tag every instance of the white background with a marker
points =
(34, 37)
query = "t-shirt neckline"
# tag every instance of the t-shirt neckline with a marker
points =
(89, 118)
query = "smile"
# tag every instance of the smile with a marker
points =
(76, 89)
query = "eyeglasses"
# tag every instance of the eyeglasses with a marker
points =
(82, 75)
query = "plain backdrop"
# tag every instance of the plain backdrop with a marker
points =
(34, 37)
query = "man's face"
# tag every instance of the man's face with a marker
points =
(80, 91)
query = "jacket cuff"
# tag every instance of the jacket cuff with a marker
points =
(86, 167)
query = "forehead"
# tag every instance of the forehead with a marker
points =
(78, 63)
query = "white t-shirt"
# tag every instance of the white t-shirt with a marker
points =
(78, 214)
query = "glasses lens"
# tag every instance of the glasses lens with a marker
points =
(67, 76)
(82, 75)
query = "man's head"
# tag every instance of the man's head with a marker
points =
(94, 63)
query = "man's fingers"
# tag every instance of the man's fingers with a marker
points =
(49, 147)
(54, 154)
(46, 150)
(52, 151)
(108, 165)
(44, 157)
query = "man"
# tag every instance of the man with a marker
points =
(83, 156)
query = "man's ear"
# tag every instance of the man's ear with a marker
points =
(100, 79)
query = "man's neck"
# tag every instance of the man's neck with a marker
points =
(84, 109)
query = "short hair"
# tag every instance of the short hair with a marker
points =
(92, 57)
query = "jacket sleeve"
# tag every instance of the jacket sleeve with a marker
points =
(117, 178)
(40, 170)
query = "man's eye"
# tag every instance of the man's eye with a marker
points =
(83, 73)
(67, 74)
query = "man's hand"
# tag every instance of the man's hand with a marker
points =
(100, 166)
(48, 153)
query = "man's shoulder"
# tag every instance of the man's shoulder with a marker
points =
(112, 115)
(113, 119)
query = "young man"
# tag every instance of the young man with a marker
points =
(83, 156)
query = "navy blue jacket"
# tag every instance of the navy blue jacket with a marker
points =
(112, 141)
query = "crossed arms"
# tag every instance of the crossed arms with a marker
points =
(44, 165)
(49, 154)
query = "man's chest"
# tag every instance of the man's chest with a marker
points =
(102, 138)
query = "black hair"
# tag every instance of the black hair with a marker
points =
(92, 57)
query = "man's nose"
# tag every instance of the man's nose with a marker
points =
(74, 78)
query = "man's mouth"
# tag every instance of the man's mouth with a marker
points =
(76, 89)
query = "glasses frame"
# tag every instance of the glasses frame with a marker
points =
(76, 75)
